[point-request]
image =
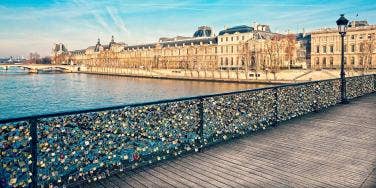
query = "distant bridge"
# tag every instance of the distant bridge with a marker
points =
(35, 68)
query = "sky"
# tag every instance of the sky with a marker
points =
(35, 25)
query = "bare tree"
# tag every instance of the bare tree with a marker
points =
(290, 48)
(366, 51)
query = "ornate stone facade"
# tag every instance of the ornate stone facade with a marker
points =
(233, 49)
(360, 52)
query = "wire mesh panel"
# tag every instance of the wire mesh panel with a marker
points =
(15, 154)
(296, 100)
(232, 115)
(90, 146)
(360, 85)
(328, 93)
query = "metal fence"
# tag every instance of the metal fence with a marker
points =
(65, 148)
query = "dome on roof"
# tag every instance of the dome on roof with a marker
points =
(203, 31)
(240, 29)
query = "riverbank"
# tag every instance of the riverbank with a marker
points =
(232, 76)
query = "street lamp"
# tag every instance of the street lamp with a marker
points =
(342, 28)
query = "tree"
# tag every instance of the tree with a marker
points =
(290, 48)
(366, 49)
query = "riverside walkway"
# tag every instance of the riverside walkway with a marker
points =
(335, 147)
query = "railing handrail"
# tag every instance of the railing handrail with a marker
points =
(130, 105)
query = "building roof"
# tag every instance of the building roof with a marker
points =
(153, 45)
(240, 29)
(194, 41)
(203, 31)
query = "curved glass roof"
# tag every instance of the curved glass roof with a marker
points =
(240, 29)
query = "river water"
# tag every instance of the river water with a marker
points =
(23, 94)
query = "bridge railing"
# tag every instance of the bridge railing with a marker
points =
(70, 147)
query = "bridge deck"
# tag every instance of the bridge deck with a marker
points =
(333, 148)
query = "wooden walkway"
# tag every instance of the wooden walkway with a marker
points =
(333, 148)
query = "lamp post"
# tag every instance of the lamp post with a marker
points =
(342, 27)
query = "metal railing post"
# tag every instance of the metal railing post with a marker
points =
(275, 106)
(201, 122)
(34, 149)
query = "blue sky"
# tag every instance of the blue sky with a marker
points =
(34, 25)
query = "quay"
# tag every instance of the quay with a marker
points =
(233, 76)
(292, 135)
(332, 148)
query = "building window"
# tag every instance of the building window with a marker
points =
(331, 62)
(317, 49)
(352, 36)
(222, 61)
(226, 49)
(221, 49)
(324, 62)
(345, 60)
(361, 47)
(232, 61)
(352, 48)
(352, 61)
(237, 38)
(226, 61)
(215, 49)
(232, 49)
(317, 61)
(226, 39)
(360, 60)
(324, 49)
(331, 48)
(221, 39)
(242, 37)
(232, 38)
(370, 61)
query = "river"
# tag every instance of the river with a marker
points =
(23, 94)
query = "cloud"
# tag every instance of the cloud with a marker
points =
(78, 23)
(116, 19)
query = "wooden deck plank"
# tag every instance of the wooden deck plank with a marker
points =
(332, 148)
(130, 181)
(166, 178)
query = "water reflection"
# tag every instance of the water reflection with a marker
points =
(30, 94)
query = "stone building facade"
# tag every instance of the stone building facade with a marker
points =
(360, 43)
(237, 48)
